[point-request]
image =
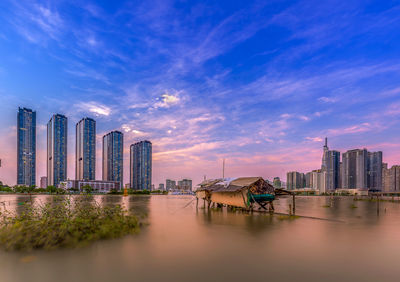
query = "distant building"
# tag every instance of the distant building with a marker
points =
(97, 186)
(309, 180)
(362, 170)
(374, 171)
(391, 178)
(331, 165)
(113, 156)
(295, 180)
(43, 182)
(141, 165)
(26, 147)
(170, 184)
(316, 180)
(185, 184)
(277, 182)
(57, 130)
(355, 163)
(161, 186)
(85, 149)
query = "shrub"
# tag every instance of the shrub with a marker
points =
(63, 223)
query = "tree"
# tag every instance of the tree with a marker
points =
(51, 189)
(87, 189)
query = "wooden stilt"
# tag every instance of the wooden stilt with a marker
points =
(294, 204)
(377, 205)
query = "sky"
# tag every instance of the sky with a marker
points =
(258, 83)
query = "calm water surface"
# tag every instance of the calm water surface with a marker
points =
(184, 244)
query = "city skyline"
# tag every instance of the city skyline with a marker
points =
(257, 84)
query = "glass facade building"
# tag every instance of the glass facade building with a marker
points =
(85, 159)
(26, 147)
(57, 129)
(141, 165)
(113, 157)
(331, 165)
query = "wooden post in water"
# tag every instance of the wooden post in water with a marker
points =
(294, 204)
(197, 203)
(377, 204)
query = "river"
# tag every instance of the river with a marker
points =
(347, 241)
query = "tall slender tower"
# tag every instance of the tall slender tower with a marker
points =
(324, 155)
(26, 147)
(141, 165)
(113, 156)
(57, 129)
(331, 167)
(85, 159)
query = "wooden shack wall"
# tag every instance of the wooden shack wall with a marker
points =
(236, 199)
(201, 194)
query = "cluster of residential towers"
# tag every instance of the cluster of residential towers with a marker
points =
(358, 169)
(85, 157)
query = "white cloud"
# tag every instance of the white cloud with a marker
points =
(96, 108)
(168, 100)
(314, 139)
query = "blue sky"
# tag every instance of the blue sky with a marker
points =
(259, 83)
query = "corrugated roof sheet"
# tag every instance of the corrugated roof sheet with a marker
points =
(229, 185)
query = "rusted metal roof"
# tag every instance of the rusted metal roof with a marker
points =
(236, 184)
(245, 181)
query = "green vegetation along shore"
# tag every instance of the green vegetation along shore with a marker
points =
(66, 222)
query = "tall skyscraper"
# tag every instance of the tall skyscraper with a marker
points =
(355, 163)
(362, 169)
(374, 180)
(26, 147)
(113, 156)
(85, 159)
(57, 129)
(324, 160)
(295, 180)
(141, 165)
(390, 178)
(331, 165)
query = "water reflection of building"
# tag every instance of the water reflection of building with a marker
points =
(26, 147)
